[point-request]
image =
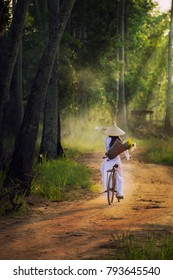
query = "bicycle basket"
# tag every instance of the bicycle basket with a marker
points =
(116, 149)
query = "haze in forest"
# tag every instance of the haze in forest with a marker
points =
(78, 71)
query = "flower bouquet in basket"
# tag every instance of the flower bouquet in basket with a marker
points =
(118, 147)
(129, 145)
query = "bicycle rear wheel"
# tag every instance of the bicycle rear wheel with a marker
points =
(110, 188)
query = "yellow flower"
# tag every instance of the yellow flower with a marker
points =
(128, 144)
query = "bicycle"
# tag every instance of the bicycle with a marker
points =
(111, 184)
(111, 188)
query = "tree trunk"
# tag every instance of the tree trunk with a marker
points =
(60, 151)
(117, 56)
(50, 125)
(9, 46)
(20, 170)
(167, 127)
(18, 91)
(37, 14)
(19, 110)
(121, 116)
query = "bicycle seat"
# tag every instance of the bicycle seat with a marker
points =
(113, 168)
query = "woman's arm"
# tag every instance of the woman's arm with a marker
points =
(107, 143)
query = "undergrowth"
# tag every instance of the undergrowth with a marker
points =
(128, 247)
(55, 178)
(5, 205)
(158, 151)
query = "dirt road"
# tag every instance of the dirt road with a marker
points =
(80, 229)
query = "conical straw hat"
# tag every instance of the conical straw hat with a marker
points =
(114, 130)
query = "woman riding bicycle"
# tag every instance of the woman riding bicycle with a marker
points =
(114, 133)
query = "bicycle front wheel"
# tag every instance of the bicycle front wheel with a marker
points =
(110, 188)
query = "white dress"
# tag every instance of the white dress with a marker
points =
(108, 164)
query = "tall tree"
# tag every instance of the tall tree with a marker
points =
(20, 169)
(9, 46)
(121, 114)
(50, 123)
(18, 92)
(19, 110)
(167, 127)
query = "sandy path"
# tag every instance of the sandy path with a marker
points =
(80, 229)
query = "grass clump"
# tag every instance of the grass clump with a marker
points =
(127, 247)
(55, 178)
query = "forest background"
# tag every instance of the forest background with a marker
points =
(71, 68)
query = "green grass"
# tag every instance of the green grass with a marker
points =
(57, 180)
(128, 247)
(159, 151)
(54, 179)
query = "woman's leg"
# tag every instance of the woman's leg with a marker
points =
(104, 174)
